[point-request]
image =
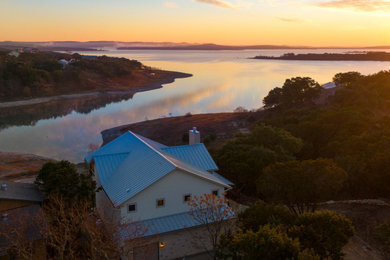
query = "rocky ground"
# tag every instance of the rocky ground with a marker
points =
(20, 167)
(215, 129)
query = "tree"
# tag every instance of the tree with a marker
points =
(242, 159)
(382, 233)
(300, 185)
(325, 232)
(23, 232)
(214, 214)
(274, 98)
(62, 178)
(294, 92)
(76, 232)
(347, 79)
(260, 214)
(240, 109)
(265, 243)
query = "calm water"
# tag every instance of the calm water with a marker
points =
(222, 81)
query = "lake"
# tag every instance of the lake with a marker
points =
(222, 81)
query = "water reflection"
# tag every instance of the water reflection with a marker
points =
(222, 81)
(31, 114)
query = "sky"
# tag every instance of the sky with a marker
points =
(230, 22)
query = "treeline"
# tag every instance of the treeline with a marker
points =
(302, 153)
(369, 56)
(41, 74)
(269, 231)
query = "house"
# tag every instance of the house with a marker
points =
(148, 184)
(16, 194)
(20, 222)
(14, 53)
(329, 85)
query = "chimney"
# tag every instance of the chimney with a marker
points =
(4, 186)
(194, 136)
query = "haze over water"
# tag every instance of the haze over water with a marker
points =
(222, 81)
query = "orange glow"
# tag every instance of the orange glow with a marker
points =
(249, 22)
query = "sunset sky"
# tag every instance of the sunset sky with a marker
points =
(289, 22)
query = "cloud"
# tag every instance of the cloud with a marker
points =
(358, 5)
(170, 5)
(219, 3)
(291, 20)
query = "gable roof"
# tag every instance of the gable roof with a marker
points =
(195, 154)
(131, 163)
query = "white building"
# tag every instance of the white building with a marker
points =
(14, 53)
(149, 184)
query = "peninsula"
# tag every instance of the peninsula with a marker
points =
(32, 74)
(360, 56)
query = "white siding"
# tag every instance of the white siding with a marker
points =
(172, 188)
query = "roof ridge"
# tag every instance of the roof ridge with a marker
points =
(154, 149)
(183, 145)
(101, 155)
(165, 156)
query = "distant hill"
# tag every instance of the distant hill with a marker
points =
(211, 46)
(135, 45)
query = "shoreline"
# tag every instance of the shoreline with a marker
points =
(152, 86)
(366, 56)
(218, 127)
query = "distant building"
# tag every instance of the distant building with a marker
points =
(148, 184)
(14, 53)
(64, 63)
(329, 85)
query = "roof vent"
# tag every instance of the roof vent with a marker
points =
(3, 186)
(128, 190)
(194, 136)
(4, 216)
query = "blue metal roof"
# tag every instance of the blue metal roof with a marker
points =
(165, 224)
(150, 142)
(121, 144)
(195, 154)
(219, 176)
(131, 163)
(106, 164)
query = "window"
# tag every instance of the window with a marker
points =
(215, 192)
(160, 203)
(132, 207)
(187, 198)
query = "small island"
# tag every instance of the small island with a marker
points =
(365, 56)
(37, 74)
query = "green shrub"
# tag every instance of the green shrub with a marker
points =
(382, 233)
(324, 231)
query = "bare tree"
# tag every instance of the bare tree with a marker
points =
(215, 215)
(125, 234)
(78, 232)
(22, 230)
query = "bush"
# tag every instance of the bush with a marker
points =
(324, 231)
(243, 159)
(300, 185)
(62, 179)
(260, 213)
(265, 243)
(382, 233)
